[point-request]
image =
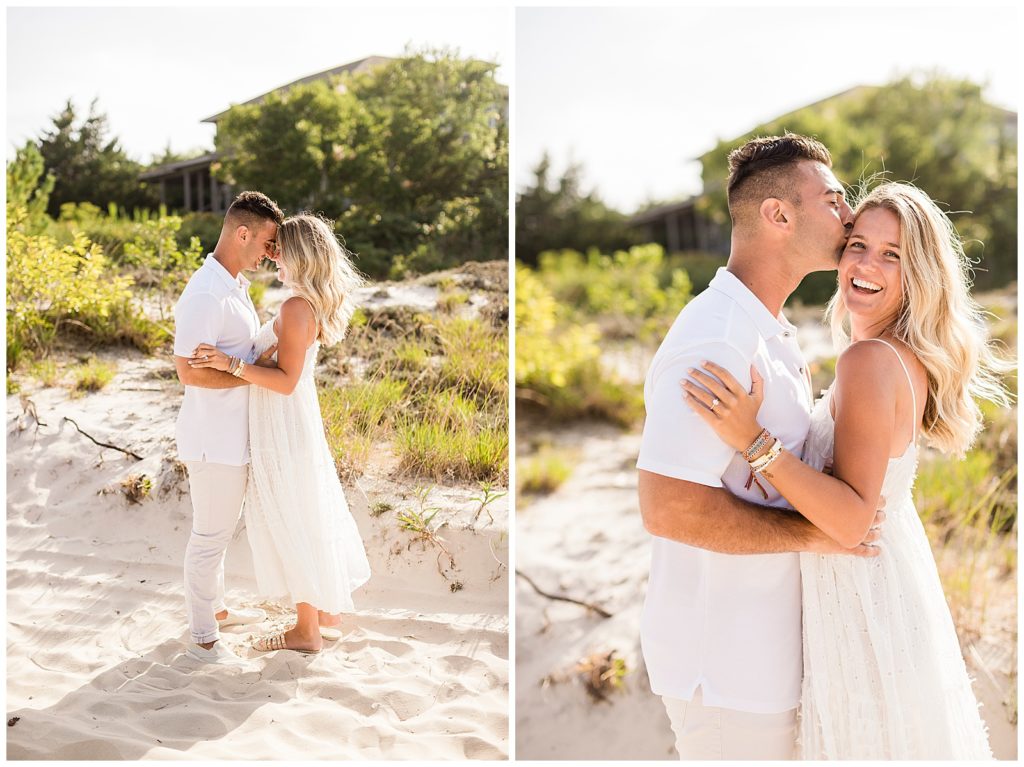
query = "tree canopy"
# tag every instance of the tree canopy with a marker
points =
(555, 214)
(410, 158)
(933, 131)
(88, 165)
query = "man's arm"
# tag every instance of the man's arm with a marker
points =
(713, 518)
(205, 378)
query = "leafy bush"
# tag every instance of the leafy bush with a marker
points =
(72, 288)
(633, 293)
(93, 375)
(28, 190)
(569, 309)
(146, 242)
(205, 226)
(50, 288)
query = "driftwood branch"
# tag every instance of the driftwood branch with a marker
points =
(95, 441)
(28, 408)
(561, 598)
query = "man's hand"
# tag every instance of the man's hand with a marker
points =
(265, 360)
(822, 544)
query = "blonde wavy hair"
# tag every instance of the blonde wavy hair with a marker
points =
(939, 320)
(319, 268)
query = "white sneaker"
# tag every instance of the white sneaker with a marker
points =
(218, 654)
(243, 616)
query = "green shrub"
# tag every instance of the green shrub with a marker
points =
(68, 289)
(93, 375)
(636, 293)
(46, 372)
(544, 470)
(558, 361)
(257, 292)
(51, 288)
(700, 267)
(205, 227)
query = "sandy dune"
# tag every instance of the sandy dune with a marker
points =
(96, 623)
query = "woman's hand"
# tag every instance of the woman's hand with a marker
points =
(207, 356)
(725, 405)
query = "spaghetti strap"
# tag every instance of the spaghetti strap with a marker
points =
(913, 395)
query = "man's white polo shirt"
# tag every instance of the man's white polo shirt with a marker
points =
(215, 308)
(729, 624)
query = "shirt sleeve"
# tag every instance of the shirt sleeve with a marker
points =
(676, 442)
(197, 319)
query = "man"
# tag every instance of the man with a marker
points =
(721, 634)
(213, 424)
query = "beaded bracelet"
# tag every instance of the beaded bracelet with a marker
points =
(240, 370)
(756, 445)
(768, 458)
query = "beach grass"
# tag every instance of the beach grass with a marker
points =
(92, 375)
(544, 470)
(427, 387)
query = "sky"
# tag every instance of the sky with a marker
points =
(157, 72)
(634, 95)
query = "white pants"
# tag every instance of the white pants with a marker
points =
(217, 492)
(707, 732)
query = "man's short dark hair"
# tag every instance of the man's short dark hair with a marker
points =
(253, 208)
(763, 168)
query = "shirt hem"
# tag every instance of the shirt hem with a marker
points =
(680, 472)
(735, 704)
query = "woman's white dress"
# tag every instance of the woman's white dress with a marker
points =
(305, 544)
(884, 677)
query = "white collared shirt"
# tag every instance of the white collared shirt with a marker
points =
(215, 308)
(729, 624)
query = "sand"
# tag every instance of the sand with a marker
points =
(96, 627)
(586, 540)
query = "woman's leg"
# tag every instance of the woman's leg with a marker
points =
(329, 620)
(306, 633)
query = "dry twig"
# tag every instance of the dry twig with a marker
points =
(95, 441)
(561, 598)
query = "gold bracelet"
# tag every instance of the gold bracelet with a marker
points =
(240, 371)
(232, 365)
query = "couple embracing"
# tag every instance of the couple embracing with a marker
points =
(250, 430)
(794, 608)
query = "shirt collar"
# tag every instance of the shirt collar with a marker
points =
(224, 275)
(728, 284)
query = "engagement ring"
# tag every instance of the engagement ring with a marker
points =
(714, 404)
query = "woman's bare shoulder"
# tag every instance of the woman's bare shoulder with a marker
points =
(296, 315)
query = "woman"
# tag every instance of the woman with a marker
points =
(305, 544)
(884, 677)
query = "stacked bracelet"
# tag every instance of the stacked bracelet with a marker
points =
(240, 370)
(233, 365)
(768, 458)
(756, 445)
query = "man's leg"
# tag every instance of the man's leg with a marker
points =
(709, 732)
(217, 492)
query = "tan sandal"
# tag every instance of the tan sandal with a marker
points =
(272, 642)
